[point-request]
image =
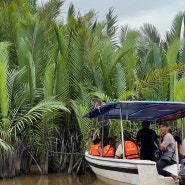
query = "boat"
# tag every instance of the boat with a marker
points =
(127, 171)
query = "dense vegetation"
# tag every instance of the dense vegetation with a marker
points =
(50, 70)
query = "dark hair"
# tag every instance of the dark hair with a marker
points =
(127, 136)
(164, 124)
(146, 123)
(96, 141)
(178, 139)
(111, 141)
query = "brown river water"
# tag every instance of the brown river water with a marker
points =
(53, 179)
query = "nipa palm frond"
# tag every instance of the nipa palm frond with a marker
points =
(176, 28)
(179, 90)
(36, 113)
(5, 145)
(157, 76)
(151, 33)
(80, 111)
(4, 99)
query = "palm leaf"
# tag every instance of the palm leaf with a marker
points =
(49, 80)
(176, 28)
(158, 76)
(179, 90)
(80, 111)
(36, 113)
(111, 26)
(50, 10)
(151, 33)
(4, 99)
(173, 52)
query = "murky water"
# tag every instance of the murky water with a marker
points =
(53, 179)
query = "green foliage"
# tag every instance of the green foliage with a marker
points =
(49, 69)
(4, 103)
(49, 80)
(154, 83)
(173, 52)
(176, 28)
(80, 111)
(179, 90)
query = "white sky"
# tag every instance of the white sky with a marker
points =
(134, 13)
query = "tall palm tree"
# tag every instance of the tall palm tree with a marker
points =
(16, 111)
(30, 49)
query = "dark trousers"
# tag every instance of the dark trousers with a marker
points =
(147, 154)
(162, 164)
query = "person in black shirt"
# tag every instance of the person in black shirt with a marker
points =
(147, 139)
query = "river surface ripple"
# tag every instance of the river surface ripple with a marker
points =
(53, 179)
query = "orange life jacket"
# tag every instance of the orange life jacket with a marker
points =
(131, 150)
(108, 151)
(94, 150)
(180, 149)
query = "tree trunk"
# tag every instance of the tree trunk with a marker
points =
(71, 160)
(44, 163)
(25, 162)
(7, 164)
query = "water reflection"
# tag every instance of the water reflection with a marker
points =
(53, 179)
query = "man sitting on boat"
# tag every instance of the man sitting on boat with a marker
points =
(166, 143)
(130, 148)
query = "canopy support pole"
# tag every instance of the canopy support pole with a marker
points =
(102, 137)
(122, 138)
(177, 156)
(182, 129)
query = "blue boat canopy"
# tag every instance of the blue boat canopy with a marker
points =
(154, 111)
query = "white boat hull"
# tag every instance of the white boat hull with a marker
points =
(125, 171)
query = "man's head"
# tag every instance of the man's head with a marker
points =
(163, 126)
(145, 124)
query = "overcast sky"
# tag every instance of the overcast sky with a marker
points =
(135, 13)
